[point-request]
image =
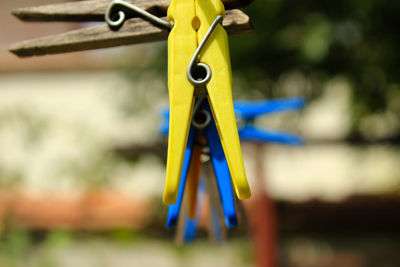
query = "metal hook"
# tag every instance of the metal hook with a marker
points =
(193, 61)
(122, 16)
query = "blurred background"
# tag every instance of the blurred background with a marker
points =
(82, 163)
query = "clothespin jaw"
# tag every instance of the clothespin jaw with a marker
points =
(191, 221)
(251, 133)
(174, 209)
(190, 173)
(192, 21)
(182, 44)
(247, 111)
(219, 88)
(190, 225)
(222, 174)
(190, 228)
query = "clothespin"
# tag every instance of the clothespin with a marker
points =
(216, 191)
(131, 21)
(203, 127)
(199, 65)
(196, 35)
(187, 228)
(246, 113)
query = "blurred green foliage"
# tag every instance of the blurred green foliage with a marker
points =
(19, 247)
(14, 247)
(357, 39)
(31, 126)
(318, 40)
(93, 174)
(32, 123)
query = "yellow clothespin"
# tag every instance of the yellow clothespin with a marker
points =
(192, 21)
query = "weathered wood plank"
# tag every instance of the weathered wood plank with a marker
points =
(94, 10)
(134, 31)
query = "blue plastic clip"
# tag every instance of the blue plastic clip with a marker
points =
(221, 170)
(247, 112)
(190, 226)
(173, 211)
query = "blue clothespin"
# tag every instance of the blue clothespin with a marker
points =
(247, 112)
(190, 225)
(217, 156)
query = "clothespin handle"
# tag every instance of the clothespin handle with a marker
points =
(248, 110)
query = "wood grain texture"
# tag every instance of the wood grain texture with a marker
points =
(133, 31)
(94, 10)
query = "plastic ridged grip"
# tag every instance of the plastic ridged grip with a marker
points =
(216, 55)
(182, 43)
(222, 176)
(174, 209)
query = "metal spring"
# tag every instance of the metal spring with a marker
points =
(120, 5)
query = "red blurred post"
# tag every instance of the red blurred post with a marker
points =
(263, 217)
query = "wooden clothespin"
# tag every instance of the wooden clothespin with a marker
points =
(134, 30)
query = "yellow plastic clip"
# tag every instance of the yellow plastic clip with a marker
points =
(192, 19)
